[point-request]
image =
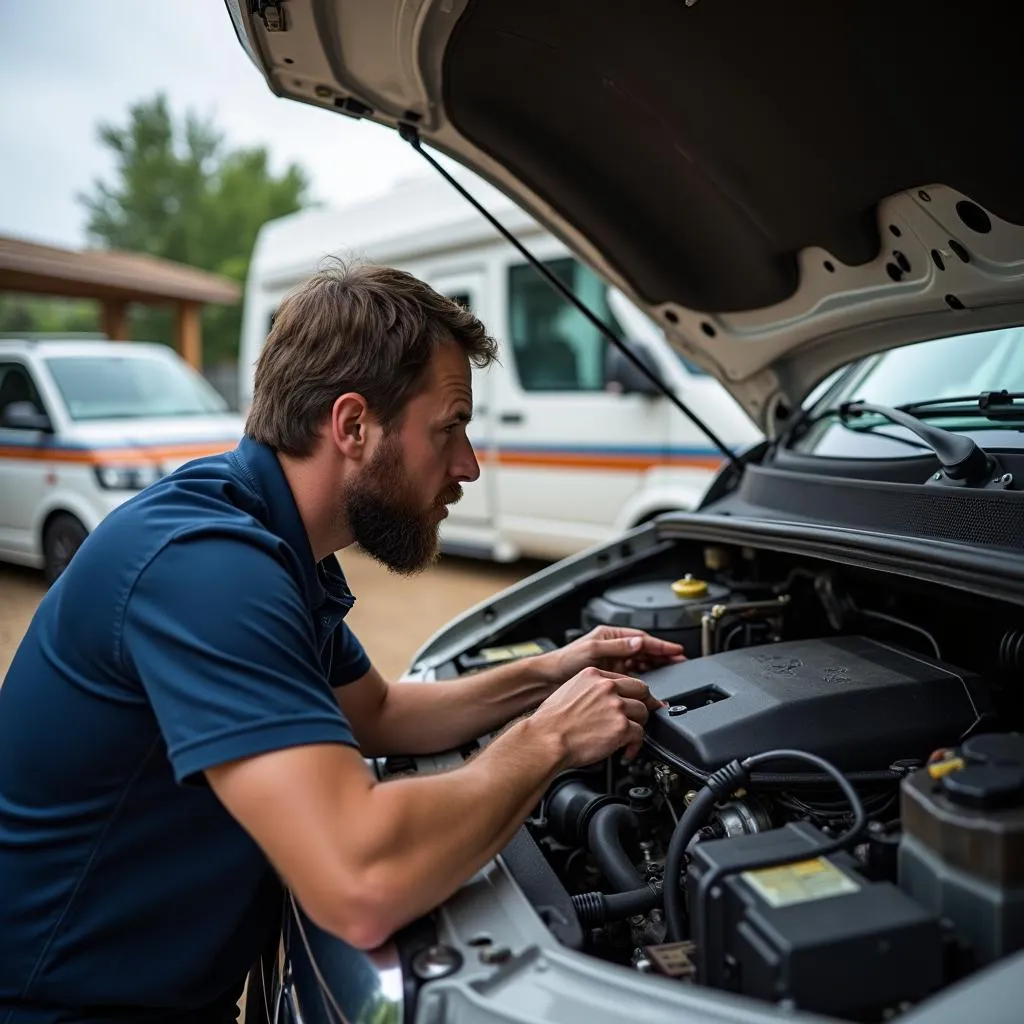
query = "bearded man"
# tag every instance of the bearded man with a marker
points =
(185, 726)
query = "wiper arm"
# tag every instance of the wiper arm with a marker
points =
(993, 405)
(409, 133)
(964, 462)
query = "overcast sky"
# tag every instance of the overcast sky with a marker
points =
(66, 65)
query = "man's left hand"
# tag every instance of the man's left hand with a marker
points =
(613, 648)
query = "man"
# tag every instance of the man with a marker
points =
(184, 725)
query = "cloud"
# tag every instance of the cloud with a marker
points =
(65, 67)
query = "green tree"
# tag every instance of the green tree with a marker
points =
(181, 193)
(29, 314)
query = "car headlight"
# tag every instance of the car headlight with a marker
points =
(128, 478)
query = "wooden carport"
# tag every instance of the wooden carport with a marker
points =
(115, 279)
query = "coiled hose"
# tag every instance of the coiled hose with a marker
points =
(721, 784)
(597, 908)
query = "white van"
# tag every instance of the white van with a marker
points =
(84, 425)
(574, 444)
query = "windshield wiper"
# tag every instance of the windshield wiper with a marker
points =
(409, 133)
(993, 405)
(964, 462)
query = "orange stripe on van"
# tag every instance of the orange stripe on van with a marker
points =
(622, 463)
(100, 456)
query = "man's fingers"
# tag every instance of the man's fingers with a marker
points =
(628, 686)
(634, 741)
(639, 645)
(618, 647)
(635, 710)
(636, 689)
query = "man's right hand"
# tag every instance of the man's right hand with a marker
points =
(596, 713)
(364, 858)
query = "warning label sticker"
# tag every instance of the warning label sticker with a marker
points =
(491, 654)
(807, 880)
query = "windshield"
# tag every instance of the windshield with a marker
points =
(965, 364)
(131, 386)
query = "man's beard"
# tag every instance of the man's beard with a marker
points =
(386, 515)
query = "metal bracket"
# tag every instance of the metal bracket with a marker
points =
(271, 14)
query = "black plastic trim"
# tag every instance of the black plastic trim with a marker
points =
(963, 515)
(988, 572)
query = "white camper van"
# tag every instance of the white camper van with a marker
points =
(574, 444)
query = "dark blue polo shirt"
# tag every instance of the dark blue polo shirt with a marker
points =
(192, 628)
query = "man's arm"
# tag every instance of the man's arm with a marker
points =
(364, 858)
(424, 718)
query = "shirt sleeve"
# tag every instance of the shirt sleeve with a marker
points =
(219, 635)
(350, 661)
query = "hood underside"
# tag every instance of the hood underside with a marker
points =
(783, 188)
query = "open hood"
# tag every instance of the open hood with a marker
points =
(784, 188)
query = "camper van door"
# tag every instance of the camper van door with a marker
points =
(476, 509)
(572, 451)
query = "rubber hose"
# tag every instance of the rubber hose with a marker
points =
(881, 775)
(689, 824)
(604, 837)
(597, 908)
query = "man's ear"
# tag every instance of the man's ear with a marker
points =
(349, 421)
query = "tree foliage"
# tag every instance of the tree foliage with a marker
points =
(179, 191)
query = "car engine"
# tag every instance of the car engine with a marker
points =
(827, 815)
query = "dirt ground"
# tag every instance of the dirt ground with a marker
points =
(393, 615)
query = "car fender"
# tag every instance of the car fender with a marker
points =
(90, 512)
(663, 490)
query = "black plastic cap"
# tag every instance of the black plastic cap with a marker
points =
(995, 748)
(986, 786)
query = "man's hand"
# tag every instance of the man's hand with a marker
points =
(596, 713)
(612, 648)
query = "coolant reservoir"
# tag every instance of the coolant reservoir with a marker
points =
(670, 608)
(962, 850)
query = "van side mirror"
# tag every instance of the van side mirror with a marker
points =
(25, 416)
(622, 376)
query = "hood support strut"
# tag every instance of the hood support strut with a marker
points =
(409, 133)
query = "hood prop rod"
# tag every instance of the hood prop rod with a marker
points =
(409, 133)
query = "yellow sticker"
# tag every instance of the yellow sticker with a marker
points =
(491, 654)
(802, 882)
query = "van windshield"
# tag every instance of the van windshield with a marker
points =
(124, 386)
(933, 372)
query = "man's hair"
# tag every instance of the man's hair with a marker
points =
(359, 327)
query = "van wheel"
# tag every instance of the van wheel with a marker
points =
(63, 537)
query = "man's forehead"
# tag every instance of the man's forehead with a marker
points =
(451, 373)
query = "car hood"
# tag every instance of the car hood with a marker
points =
(782, 189)
(171, 440)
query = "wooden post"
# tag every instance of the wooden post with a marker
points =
(115, 320)
(190, 334)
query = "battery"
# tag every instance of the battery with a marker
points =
(812, 932)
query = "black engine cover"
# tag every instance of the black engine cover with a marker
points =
(859, 703)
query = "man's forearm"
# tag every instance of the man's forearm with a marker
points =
(424, 718)
(432, 833)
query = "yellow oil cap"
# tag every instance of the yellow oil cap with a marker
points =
(937, 769)
(689, 587)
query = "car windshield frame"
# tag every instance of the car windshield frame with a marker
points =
(933, 369)
(153, 386)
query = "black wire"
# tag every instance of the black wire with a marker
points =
(411, 135)
(721, 784)
(715, 876)
(895, 621)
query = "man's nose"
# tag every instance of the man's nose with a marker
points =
(466, 469)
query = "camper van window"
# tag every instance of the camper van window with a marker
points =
(463, 299)
(554, 346)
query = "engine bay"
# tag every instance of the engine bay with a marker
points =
(828, 815)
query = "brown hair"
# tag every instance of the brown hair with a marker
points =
(359, 327)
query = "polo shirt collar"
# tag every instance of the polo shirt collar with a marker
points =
(322, 582)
